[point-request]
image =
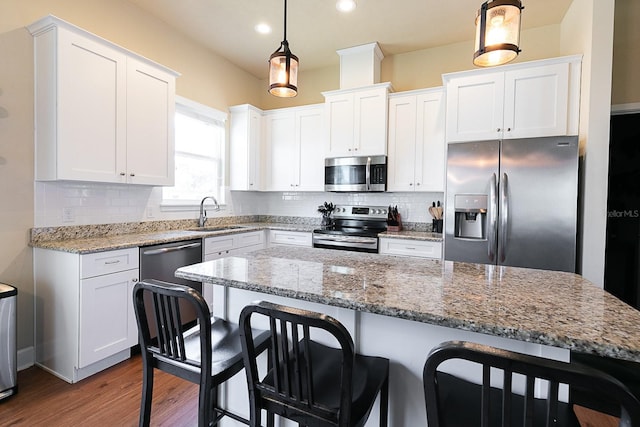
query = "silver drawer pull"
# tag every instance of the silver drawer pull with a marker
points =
(117, 261)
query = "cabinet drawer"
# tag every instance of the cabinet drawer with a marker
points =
(218, 244)
(278, 237)
(108, 262)
(416, 248)
(249, 239)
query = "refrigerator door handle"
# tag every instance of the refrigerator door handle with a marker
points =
(493, 215)
(504, 215)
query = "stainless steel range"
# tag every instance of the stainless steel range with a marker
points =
(355, 228)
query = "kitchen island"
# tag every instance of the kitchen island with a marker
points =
(400, 308)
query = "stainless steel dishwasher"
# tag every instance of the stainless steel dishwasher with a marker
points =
(161, 261)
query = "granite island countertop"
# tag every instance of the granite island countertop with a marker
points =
(545, 307)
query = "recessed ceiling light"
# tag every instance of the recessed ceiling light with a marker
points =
(345, 5)
(263, 28)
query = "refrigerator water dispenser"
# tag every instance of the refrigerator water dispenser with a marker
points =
(470, 216)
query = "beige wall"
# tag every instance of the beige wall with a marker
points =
(626, 53)
(16, 173)
(415, 70)
(588, 28)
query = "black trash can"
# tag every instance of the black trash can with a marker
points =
(8, 351)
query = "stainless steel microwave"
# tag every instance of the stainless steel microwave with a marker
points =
(364, 173)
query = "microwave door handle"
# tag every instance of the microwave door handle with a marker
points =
(368, 174)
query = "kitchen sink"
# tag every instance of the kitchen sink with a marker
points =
(217, 228)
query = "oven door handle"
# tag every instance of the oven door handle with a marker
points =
(343, 239)
(368, 174)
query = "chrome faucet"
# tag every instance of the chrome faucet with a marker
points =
(203, 213)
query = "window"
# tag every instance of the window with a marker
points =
(199, 155)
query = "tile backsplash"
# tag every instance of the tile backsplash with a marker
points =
(80, 203)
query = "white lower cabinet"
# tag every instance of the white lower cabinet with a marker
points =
(289, 238)
(221, 246)
(411, 248)
(85, 320)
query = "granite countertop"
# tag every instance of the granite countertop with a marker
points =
(130, 240)
(545, 307)
(106, 237)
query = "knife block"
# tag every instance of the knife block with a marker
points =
(395, 227)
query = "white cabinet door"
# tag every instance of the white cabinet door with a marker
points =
(150, 129)
(289, 238)
(416, 159)
(82, 116)
(536, 101)
(280, 137)
(340, 124)
(245, 149)
(411, 248)
(402, 143)
(356, 121)
(370, 122)
(475, 107)
(310, 138)
(107, 322)
(430, 141)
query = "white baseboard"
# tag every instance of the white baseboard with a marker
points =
(630, 108)
(26, 358)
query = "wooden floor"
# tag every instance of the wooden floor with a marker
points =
(110, 398)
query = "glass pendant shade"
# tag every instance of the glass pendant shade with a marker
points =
(283, 72)
(283, 68)
(497, 32)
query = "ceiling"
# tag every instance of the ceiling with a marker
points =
(315, 29)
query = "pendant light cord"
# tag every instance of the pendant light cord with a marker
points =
(285, 20)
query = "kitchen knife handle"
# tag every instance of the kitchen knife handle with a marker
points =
(493, 214)
(504, 215)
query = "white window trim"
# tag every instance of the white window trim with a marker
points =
(209, 113)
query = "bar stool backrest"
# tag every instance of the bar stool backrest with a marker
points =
(532, 368)
(288, 388)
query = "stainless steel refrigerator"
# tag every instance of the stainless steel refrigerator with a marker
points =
(513, 202)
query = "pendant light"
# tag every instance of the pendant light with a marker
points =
(283, 68)
(497, 32)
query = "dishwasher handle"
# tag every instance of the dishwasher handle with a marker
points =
(171, 249)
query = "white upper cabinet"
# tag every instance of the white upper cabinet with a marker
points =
(150, 125)
(294, 139)
(533, 99)
(416, 159)
(356, 121)
(103, 114)
(245, 170)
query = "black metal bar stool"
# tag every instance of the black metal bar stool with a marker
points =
(207, 354)
(452, 401)
(308, 382)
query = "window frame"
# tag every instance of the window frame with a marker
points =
(209, 113)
